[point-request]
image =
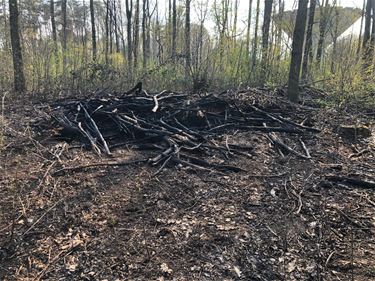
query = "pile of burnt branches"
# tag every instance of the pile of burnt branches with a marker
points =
(180, 128)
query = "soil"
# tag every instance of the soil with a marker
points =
(281, 220)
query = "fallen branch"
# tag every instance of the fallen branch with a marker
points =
(352, 181)
(276, 141)
(94, 165)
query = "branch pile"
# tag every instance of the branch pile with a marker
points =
(180, 128)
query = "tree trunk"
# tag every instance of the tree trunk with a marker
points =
(136, 33)
(248, 29)
(373, 21)
(367, 32)
(297, 50)
(307, 55)
(19, 78)
(235, 19)
(265, 39)
(144, 35)
(148, 30)
(53, 22)
(93, 31)
(110, 27)
(322, 31)
(361, 28)
(372, 37)
(116, 27)
(65, 34)
(255, 47)
(106, 51)
(129, 11)
(367, 54)
(335, 35)
(187, 36)
(54, 35)
(174, 29)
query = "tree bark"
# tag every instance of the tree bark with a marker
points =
(93, 30)
(54, 35)
(265, 37)
(361, 28)
(144, 34)
(367, 32)
(335, 35)
(248, 29)
(235, 18)
(307, 55)
(19, 78)
(255, 47)
(297, 50)
(129, 11)
(174, 30)
(322, 30)
(136, 33)
(187, 36)
(367, 54)
(53, 21)
(64, 34)
(106, 51)
(110, 27)
(371, 46)
(116, 27)
(373, 25)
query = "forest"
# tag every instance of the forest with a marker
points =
(187, 140)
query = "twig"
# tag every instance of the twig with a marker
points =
(305, 148)
(329, 258)
(96, 129)
(360, 153)
(106, 164)
(268, 176)
(87, 135)
(42, 216)
(162, 166)
(283, 145)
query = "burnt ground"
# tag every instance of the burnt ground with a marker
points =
(281, 220)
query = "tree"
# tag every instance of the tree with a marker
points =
(323, 23)
(255, 47)
(107, 31)
(129, 11)
(187, 35)
(308, 54)
(373, 24)
(54, 32)
(361, 28)
(64, 31)
(297, 49)
(367, 32)
(116, 27)
(335, 34)
(145, 30)
(93, 30)
(248, 28)
(368, 36)
(235, 18)
(19, 78)
(136, 33)
(174, 29)
(265, 37)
